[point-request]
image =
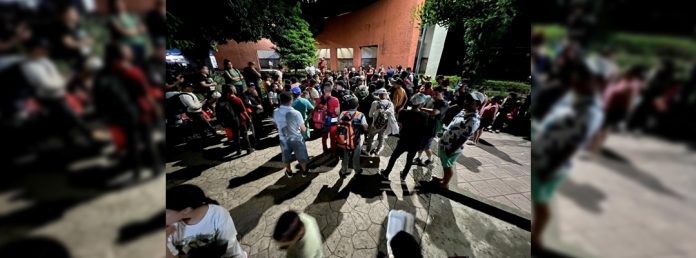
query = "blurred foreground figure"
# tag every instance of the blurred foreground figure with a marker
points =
(563, 131)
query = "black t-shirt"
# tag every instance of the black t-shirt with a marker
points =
(412, 130)
(156, 24)
(197, 79)
(250, 75)
(60, 50)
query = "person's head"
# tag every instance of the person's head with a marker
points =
(498, 99)
(340, 85)
(228, 64)
(203, 70)
(288, 230)
(473, 101)
(252, 90)
(445, 83)
(398, 83)
(70, 15)
(398, 67)
(439, 79)
(428, 85)
(408, 69)
(403, 74)
(285, 99)
(117, 53)
(187, 87)
(537, 39)
(439, 93)
(352, 101)
(327, 89)
(182, 202)
(293, 80)
(38, 47)
(296, 92)
(418, 100)
(405, 245)
(382, 93)
(251, 64)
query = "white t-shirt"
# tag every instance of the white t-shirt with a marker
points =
(216, 218)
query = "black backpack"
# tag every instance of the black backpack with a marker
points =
(224, 113)
(174, 106)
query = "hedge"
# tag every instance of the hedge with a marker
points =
(634, 43)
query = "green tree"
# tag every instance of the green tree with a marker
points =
(484, 23)
(195, 27)
(296, 45)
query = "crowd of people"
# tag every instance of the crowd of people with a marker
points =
(580, 96)
(73, 88)
(351, 111)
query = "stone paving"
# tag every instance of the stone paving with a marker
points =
(496, 171)
(352, 212)
(638, 199)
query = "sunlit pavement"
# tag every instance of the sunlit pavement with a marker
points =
(637, 199)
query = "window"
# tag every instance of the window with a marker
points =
(345, 58)
(268, 59)
(368, 56)
(326, 54)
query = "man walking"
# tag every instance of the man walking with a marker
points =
(290, 128)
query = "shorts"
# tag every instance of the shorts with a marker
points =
(294, 146)
(542, 191)
(448, 161)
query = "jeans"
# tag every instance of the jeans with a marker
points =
(349, 155)
(401, 147)
(371, 136)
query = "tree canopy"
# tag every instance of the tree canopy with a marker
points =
(296, 45)
(484, 22)
(197, 26)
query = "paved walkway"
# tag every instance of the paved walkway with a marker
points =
(638, 199)
(351, 212)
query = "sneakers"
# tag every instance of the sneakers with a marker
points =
(427, 162)
(470, 142)
(288, 173)
(250, 150)
(343, 174)
(497, 131)
(417, 161)
(373, 153)
(305, 173)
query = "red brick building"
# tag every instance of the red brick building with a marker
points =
(384, 32)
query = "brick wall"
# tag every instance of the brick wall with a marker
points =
(388, 24)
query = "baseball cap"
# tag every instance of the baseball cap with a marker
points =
(296, 90)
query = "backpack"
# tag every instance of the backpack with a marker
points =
(345, 134)
(174, 106)
(381, 120)
(320, 114)
(225, 114)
